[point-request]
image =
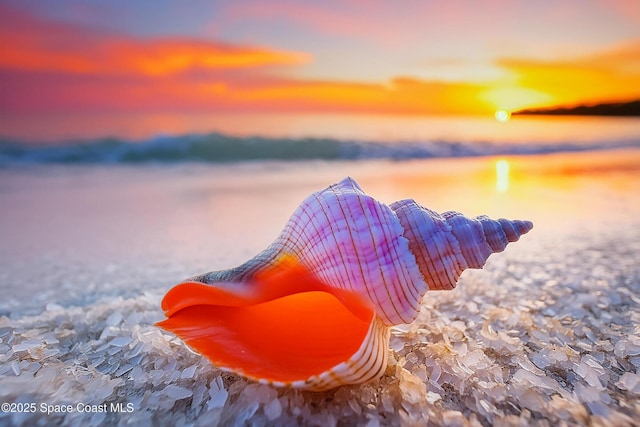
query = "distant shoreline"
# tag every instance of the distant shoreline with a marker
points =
(613, 109)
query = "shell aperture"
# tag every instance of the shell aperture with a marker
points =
(313, 310)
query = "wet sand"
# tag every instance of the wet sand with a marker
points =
(546, 333)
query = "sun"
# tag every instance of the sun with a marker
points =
(502, 115)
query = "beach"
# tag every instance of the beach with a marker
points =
(547, 333)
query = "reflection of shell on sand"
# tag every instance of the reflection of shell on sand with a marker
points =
(313, 310)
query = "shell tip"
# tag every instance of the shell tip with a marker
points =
(524, 226)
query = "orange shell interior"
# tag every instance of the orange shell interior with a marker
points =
(260, 333)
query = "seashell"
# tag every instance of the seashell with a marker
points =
(314, 309)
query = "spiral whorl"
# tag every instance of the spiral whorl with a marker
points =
(446, 244)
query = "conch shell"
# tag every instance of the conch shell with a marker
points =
(314, 309)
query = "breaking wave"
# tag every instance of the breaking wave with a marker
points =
(217, 148)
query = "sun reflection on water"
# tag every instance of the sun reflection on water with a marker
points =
(502, 175)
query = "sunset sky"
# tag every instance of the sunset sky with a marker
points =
(89, 68)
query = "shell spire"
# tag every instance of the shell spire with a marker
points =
(447, 244)
(313, 310)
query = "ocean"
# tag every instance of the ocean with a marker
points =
(331, 138)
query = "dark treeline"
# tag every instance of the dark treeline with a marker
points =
(631, 108)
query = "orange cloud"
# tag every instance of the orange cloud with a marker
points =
(36, 45)
(427, 97)
(168, 56)
(609, 75)
(34, 93)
